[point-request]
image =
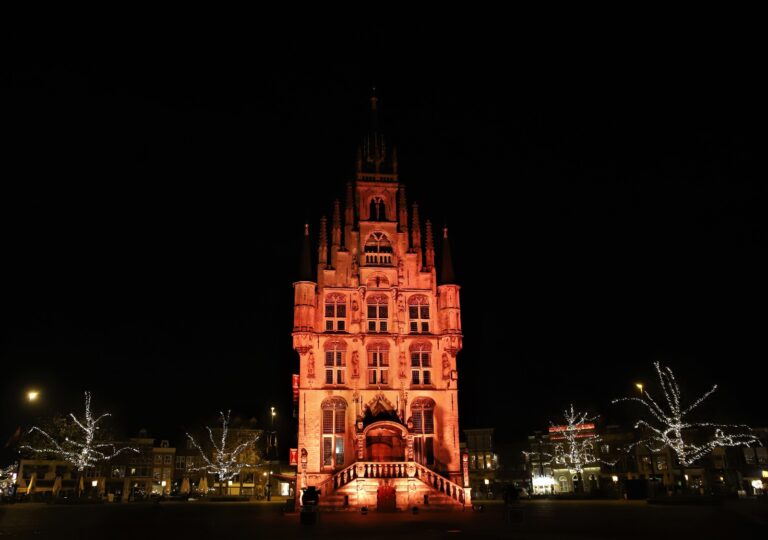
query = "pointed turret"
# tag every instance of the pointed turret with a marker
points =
(349, 209)
(373, 155)
(305, 263)
(416, 232)
(446, 269)
(430, 247)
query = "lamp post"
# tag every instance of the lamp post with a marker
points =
(639, 387)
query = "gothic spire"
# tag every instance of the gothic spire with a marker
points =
(336, 227)
(323, 255)
(430, 246)
(416, 232)
(403, 214)
(305, 268)
(447, 276)
(373, 155)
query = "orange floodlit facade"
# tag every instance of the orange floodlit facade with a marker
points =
(377, 327)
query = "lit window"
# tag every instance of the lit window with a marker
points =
(334, 412)
(335, 313)
(423, 418)
(378, 364)
(418, 314)
(421, 364)
(335, 364)
(378, 313)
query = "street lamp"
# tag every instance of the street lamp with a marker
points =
(32, 395)
(639, 387)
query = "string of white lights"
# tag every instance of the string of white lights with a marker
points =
(226, 464)
(674, 432)
(81, 454)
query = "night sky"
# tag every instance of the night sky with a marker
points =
(605, 199)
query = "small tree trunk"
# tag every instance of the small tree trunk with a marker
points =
(683, 482)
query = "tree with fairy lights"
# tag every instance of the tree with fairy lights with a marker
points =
(574, 448)
(669, 428)
(577, 450)
(227, 458)
(80, 446)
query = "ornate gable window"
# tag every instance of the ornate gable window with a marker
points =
(378, 250)
(418, 314)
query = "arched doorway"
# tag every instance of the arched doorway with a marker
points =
(385, 441)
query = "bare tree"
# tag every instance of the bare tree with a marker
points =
(81, 447)
(228, 458)
(576, 449)
(669, 428)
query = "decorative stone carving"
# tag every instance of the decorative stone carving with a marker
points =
(356, 365)
(446, 367)
(311, 365)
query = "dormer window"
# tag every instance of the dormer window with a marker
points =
(378, 250)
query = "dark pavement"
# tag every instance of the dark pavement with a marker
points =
(542, 520)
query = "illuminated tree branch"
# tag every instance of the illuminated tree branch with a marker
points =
(82, 450)
(227, 462)
(671, 428)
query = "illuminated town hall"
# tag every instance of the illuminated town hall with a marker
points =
(378, 328)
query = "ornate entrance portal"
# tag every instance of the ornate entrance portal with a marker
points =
(385, 441)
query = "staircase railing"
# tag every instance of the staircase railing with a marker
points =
(440, 483)
(394, 469)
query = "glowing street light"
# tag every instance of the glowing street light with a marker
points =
(639, 387)
(32, 395)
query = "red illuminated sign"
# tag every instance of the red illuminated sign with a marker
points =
(293, 459)
(577, 427)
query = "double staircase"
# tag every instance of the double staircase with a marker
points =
(405, 484)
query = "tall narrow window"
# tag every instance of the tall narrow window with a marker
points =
(334, 412)
(421, 364)
(418, 314)
(377, 209)
(335, 362)
(335, 313)
(378, 364)
(423, 417)
(378, 313)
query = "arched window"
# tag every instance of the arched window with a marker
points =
(378, 250)
(423, 417)
(377, 208)
(334, 424)
(378, 313)
(335, 313)
(418, 314)
(378, 364)
(335, 362)
(421, 364)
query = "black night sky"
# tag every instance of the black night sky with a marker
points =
(605, 197)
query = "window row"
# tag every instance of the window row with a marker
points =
(377, 313)
(378, 366)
